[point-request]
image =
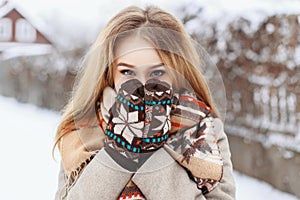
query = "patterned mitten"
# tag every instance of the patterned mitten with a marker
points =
(126, 121)
(158, 99)
(138, 122)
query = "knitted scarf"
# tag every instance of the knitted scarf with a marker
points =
(191, 140)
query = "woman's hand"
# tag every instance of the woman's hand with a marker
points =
(138, 121)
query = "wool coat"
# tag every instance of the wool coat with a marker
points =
(104, 179)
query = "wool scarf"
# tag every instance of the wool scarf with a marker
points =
(191, 141)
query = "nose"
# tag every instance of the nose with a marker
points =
(142, 79)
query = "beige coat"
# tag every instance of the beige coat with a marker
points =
(100, 182)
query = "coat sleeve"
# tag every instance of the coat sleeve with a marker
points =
(225, 189)
(96, 181)
(161, 177)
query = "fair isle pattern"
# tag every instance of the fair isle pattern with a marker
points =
(131, 193)
(135, 196)
(128, 124)
(126, 117)
(205, 185)
(187, 110)
(192, 134)
(139, 120)
(158, 100)
(196, 138)
(183, 129)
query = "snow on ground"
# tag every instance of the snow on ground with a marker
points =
(27, 169)
(29, 172)
(249, 188)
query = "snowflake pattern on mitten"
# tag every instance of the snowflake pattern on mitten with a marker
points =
(139, 119)
(126, 121)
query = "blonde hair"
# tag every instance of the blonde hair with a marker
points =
(174, 47)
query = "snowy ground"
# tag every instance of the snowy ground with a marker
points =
(29, 172)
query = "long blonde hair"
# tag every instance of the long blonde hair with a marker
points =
(173, 47)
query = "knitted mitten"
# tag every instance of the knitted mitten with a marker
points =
(138, 121)
(126, 121)
(158, 99)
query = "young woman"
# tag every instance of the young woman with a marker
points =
(141, 123)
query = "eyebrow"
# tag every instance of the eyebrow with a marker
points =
(132, 66)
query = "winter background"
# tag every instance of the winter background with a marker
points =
(33, 175)
(28, 170)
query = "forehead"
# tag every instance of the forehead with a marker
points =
(136, 51)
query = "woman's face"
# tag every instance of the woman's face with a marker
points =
(137, 59)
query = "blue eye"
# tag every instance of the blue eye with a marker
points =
(157, 73)
(127, 72)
